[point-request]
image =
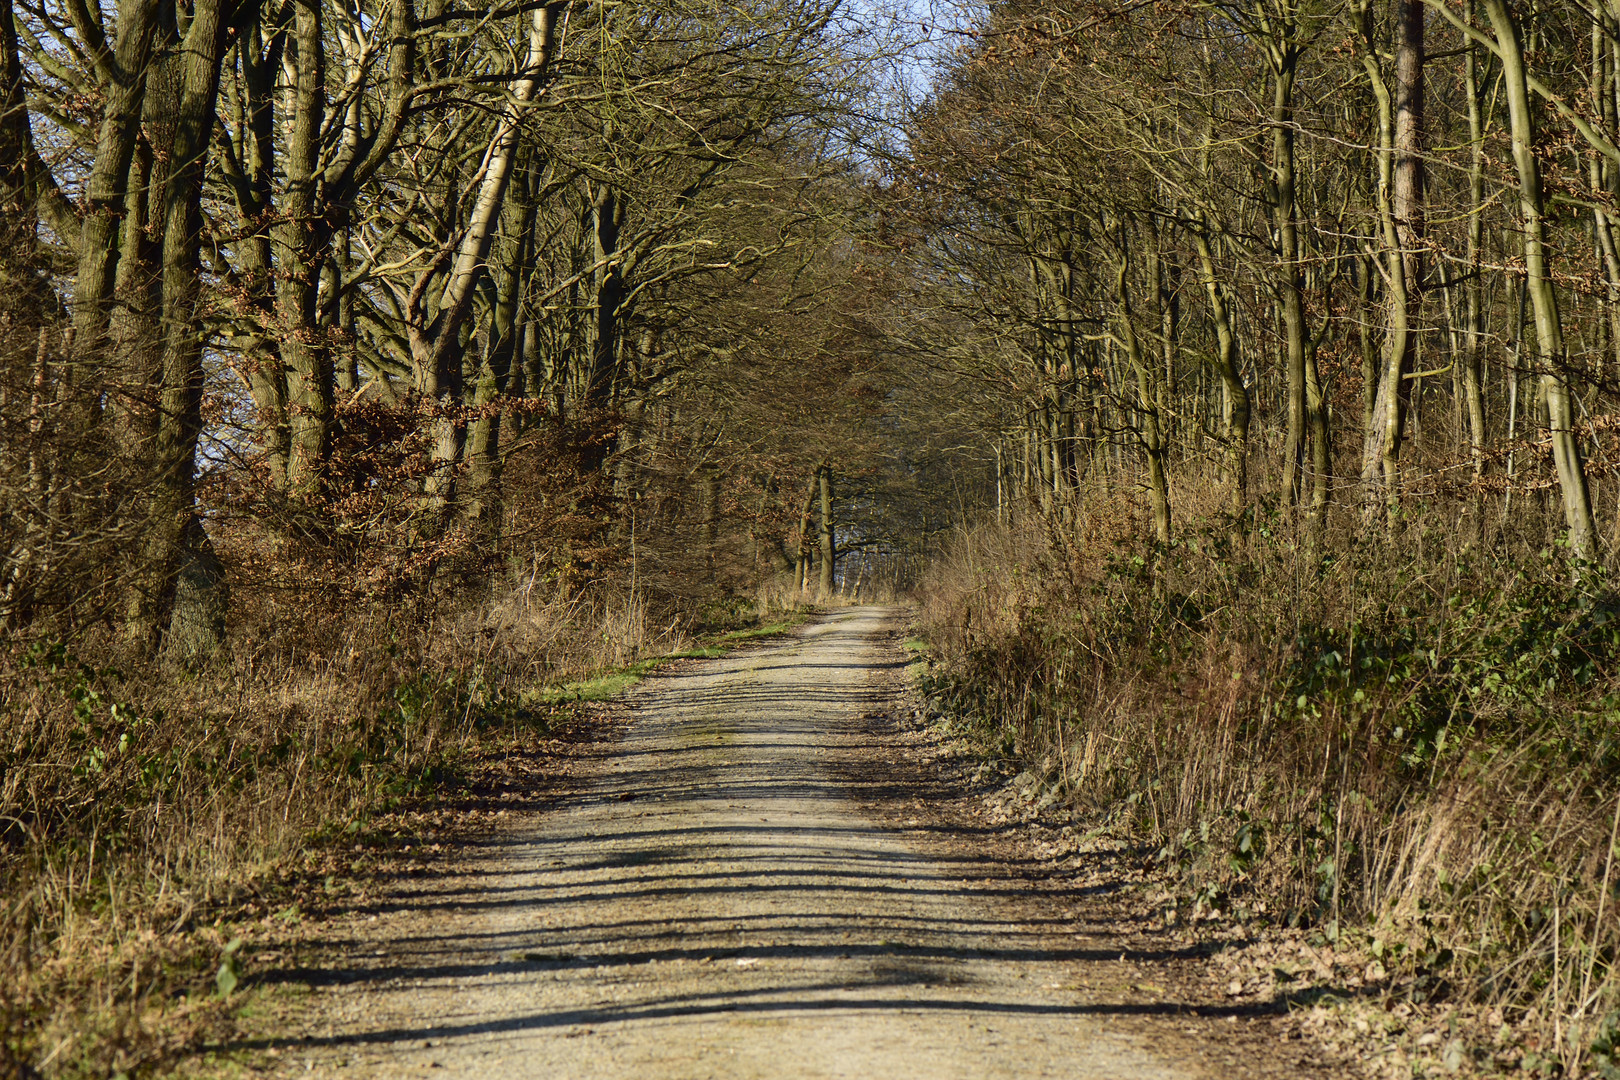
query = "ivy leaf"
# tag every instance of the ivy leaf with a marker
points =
(230, 969)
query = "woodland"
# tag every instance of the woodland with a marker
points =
(1230, 387)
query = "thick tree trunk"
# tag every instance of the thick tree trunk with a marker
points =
(122, 74)
(131, 363)
(16, 212)
(1296, 334)
(497, 363)
(1148, 402)
(176, 545)
(252, 167)
(302, 245)
(802, 546)
(607, 220)
(28, 192)
(27, 309)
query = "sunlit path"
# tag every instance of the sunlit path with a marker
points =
(718, 906)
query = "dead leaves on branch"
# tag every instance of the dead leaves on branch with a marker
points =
(391, 521)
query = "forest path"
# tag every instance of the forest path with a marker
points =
(719, 904)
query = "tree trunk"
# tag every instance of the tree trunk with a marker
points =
(607, 219)
(16, 213)
(1285, 60)
(1577, 500)
(1604, 175)
(1166, 292)
(27, 307)
(436, 346)
(1235, 407)
(828, 552)
(176, 545)
(1367, 335)
(1147, 400)
(497, 363)
(302, 238)
(253, 161)
(122, 76)
(1472, 381)
(1401, 219)
(803, 544)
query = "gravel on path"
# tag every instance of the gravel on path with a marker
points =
(716, 904)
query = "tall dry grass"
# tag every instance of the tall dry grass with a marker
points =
(145, 809)
(1415, 743)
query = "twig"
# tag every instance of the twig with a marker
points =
(1603, 896)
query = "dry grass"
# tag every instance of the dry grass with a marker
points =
(145, 813)
(1411, 747)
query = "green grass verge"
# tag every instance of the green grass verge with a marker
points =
(697, 652)
(597, 688)
(774, 629)
(610, 684)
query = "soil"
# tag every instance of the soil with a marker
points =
(769, 871)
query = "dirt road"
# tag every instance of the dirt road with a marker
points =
(718, 905)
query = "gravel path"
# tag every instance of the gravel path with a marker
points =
(717, 905)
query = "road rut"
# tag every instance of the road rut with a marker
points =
(717, 904)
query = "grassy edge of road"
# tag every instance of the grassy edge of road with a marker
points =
(157, 969)
(404, 838)
(1326, 983)
(609, 684)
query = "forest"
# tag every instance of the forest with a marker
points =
(1230, 388)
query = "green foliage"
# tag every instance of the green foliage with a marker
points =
(1489, 664)
(600, 687)
(1605, 1048)
(106, 727)
(229, 975)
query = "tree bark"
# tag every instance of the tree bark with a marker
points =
(1285, 61)
(607, 221)
(16, 143)
(1147, 401)
(1576, 498)
(302, 241)
(176, 545)
(249, 165)
(1236, 406)
(805, 515)
(828, 551)
(1401, 219)
(436, 345)
(512, 258)
(121, 72)
(1472, 381)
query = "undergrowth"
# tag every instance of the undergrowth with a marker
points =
(146, 817)
(1404, 746)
